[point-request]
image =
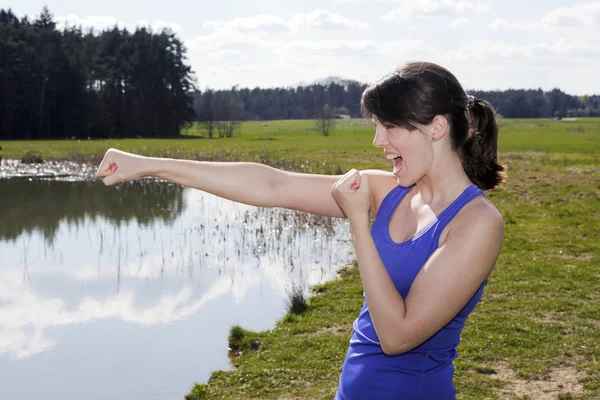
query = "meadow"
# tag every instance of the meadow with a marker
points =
(534, 335)
(295, 143)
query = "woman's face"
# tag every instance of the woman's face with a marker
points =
(410, 152)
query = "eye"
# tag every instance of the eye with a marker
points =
(388, 126)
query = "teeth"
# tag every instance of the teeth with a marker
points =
(392, 156)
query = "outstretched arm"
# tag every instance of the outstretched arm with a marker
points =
(250, 183)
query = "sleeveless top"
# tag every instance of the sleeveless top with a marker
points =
(426, 371)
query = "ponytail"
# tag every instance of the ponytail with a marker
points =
(479, 152)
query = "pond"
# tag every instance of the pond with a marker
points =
(129, 292)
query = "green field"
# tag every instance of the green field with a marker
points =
(296, 142)
(536, 330)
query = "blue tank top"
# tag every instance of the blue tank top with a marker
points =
(425, 372)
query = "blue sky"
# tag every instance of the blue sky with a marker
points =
(488, 45)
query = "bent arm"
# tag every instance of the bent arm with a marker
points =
(441, 289)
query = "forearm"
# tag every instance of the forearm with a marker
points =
(244, 182)
(386, 306)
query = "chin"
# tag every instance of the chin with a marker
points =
(407, 180)
(402, 181)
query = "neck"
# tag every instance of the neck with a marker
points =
(445, 181)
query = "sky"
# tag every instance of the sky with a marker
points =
(488, 44)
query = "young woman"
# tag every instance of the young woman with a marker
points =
(435, 238)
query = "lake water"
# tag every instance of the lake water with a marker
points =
(129, 292)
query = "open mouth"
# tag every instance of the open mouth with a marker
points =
(397, 159)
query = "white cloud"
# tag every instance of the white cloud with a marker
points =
(406, 47)
(316, 19)
(458, 22)
(311, 60)
(287, 63)
(229, 39)
(258, 22)
(329, 45)
(559, 19)
(485, 50)
(221, 54)
(578, 15)
(502, 24)
(325, 19)
(561, 52)
(101, 23)
(96, 22)
(432, 8)
(258, 67)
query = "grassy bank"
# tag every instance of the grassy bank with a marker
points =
(536, 330)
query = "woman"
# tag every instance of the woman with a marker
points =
(435, 238)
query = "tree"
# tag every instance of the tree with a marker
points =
(325, 122)
(207, 113)
(228, 112)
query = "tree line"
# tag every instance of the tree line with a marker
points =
(343, 97)
(74, 84)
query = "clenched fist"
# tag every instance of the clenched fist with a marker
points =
(353, 195)
(119, 166)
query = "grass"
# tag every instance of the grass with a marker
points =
(539, 313)
(295, 145)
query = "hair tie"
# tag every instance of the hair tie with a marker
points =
(471, 101)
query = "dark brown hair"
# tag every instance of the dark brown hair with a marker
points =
(417, 92)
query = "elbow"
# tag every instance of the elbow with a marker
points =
(395, 347)
(275, 190)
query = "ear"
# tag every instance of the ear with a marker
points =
(438, 127)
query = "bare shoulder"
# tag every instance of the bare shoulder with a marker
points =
(380, 184)
(479, 220)
(482, 210)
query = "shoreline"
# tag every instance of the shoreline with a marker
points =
(301, 357)
(49, 169)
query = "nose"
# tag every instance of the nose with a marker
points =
(380, 139)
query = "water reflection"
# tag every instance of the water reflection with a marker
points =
(144, 280)
(27, 205)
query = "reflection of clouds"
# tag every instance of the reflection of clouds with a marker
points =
(158, 273)
(21, 344)
(26, 315)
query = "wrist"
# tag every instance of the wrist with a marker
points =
(359, 223)
(151, 166)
